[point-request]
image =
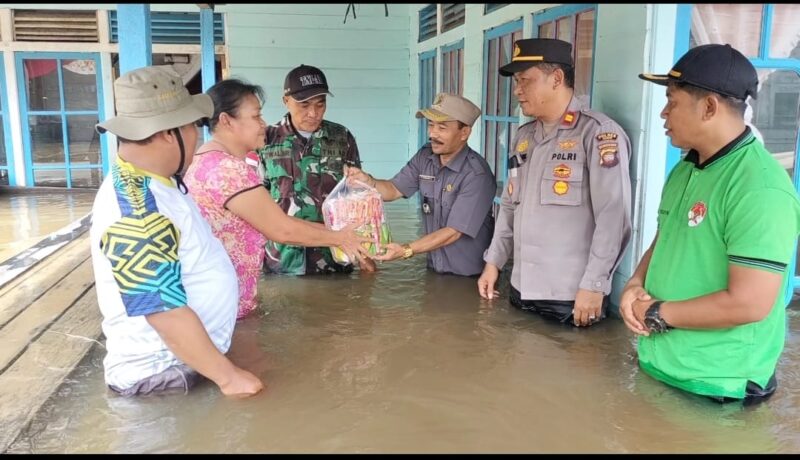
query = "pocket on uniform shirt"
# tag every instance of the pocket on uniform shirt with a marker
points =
(562, 184)
(426, 188)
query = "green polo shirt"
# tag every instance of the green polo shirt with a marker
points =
(739, 207)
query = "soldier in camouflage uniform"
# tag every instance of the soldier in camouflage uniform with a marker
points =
(300, 164)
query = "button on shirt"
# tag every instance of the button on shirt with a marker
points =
(565, 210)
(458, 195)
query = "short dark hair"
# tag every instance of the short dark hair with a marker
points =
(569, 71)
(228, 96)
(737, 105)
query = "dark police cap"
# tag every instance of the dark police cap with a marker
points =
(531, 51)
(718, 68)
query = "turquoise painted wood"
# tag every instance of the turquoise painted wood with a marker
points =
(135, 41)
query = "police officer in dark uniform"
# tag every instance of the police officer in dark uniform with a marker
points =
(565, 211)
(457, 189)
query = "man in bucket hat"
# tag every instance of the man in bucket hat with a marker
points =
(456, 189)
(302, 161)
(707, 297)
(565, 211)
(165, 285)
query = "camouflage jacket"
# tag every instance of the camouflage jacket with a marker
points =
(299, 173)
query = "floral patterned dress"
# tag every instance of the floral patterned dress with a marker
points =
(213, 178)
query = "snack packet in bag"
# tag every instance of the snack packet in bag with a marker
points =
(356, 202)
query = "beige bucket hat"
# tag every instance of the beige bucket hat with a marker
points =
(153, 99)
(449, 107)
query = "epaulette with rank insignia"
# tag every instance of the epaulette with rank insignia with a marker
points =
(569, 119)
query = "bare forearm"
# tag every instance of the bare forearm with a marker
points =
(712, 311)
(435, 240)
(185, 335)
(387, 189)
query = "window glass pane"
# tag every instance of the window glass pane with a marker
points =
(41, 84)
(460, 71)
(502, 149)
(785, 25)
(84, 142)
(584, 49)
(513, 102)
(504, 83)
(491, 78)
(738, 25)
(547, 30)
(50, 178)
(80, 84)
(488, 144)
(564, 29)
(86, 178)
(47, 141)
(775, 114)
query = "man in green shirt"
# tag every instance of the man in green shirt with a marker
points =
(706, 298)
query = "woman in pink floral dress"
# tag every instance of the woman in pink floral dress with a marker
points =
(231, 197)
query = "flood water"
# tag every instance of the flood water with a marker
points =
(406, 361)
(28, 215)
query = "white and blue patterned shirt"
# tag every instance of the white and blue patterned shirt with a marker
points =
(152, 251)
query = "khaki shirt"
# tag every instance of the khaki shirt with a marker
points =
(566, 207)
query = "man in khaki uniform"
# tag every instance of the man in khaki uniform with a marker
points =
(565, 210)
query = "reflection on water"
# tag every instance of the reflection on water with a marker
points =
(408, 361)
(27, 216)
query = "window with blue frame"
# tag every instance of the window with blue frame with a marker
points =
(6, 159)
(500, 108)
(427, 89)
(489, 7)
(453, 68)
(574, 24)
(767, 34)
(60, 104)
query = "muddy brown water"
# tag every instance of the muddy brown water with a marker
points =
(407, 361)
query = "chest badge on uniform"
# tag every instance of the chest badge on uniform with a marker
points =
(567, 145)
(560, 187)
(562, 171)
(448, 188)
(697, 213)
(522, 146)
(609, 154)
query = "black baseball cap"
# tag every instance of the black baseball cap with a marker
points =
(531, 51)
(718, 68)
(304, 82)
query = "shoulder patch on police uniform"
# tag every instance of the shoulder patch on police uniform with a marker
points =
(607, 137)
(609, 154)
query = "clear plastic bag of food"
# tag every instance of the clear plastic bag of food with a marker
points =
(353, 203)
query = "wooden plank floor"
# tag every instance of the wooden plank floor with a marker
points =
(49, 320)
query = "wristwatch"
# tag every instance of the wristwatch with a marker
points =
(653, 319)
(407, 251)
